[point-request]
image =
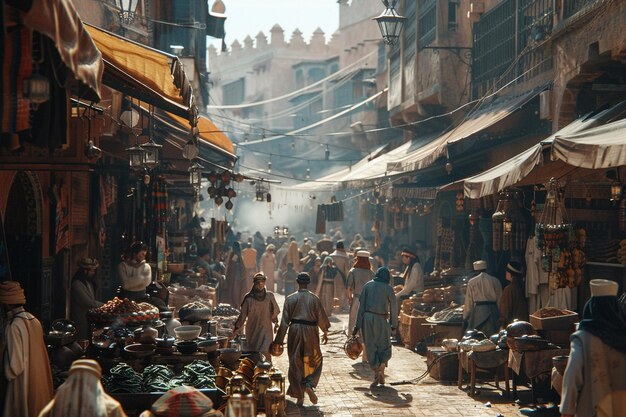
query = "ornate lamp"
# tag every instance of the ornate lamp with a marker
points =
(127, 10)
(390, 22)
(195, 175)
(151, 158)
(136, 155)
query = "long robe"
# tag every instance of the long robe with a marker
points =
(378, 312)
(259, 317)
(512, 304)
(83, 299)
(235, 284)
(303, 342)
(357, 278)
(342, 262)
(326, 287)
(26, 366)
(594, 381)
(480, 309)
(268, 267)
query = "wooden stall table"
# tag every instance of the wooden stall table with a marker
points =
(532, 364)
(490, 361)
(411, 330)
(444, 330)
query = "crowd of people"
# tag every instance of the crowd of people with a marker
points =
(317, 280)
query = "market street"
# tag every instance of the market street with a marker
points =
(344, 387)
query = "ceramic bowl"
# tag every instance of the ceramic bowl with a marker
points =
(207, 346)
(165, 341)
(186, 347)
(187, 332)
(138, 350)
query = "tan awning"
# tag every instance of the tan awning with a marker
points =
(476, 122)
(58, 20)
(514, 170)
(147, 74)
(600, 147)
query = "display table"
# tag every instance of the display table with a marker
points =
(441, 331)
(532, 364)
(491, 361)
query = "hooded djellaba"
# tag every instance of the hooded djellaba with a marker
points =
(259, 311)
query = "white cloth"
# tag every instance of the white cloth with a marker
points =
(413, 281)
(135, 276)
(483, 287)
(594, 381)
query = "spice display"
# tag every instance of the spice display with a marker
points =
(549, 312)
(125, 310)
(225, 310)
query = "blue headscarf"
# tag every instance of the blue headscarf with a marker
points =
(383, 275)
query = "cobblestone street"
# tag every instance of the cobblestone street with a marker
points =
(344, 387)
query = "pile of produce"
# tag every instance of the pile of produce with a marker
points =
(158, 378)
(225, 310)
(125, 310)
(549, 312)
(195, 311)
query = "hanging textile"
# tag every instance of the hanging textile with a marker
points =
(62, 223)
(320, 221)
(17, 66)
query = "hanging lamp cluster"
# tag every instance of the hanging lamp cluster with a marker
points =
(220, 186)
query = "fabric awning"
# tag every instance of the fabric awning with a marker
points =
(58, 20)
(514, 170)
(147, 74)
(600, 147)
(474, 123)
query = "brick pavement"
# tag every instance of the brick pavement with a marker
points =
(344, 387)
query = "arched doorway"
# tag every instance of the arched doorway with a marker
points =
(23, 232)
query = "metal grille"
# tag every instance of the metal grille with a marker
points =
(410, 30)
(501, 53)
(427, 22)
(571, 7)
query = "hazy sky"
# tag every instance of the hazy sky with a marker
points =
(248, 17)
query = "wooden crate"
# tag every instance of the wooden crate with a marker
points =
(445, 369)
(411, 330)
(565, 322)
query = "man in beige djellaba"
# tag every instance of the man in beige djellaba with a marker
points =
(303, 315)
(259, 311)
(27, 377)
(360, 274)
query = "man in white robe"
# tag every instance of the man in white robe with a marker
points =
(480, 310)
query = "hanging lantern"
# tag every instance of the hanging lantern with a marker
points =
(212, 191)
(219, 200)
(151, 158)
(231, 193)
(212, 177)
(285, 231)
(229, 205)
(226, 177)
(195, 174)
(239, 178)
(135, 157)
(268, 198)
(616, 191)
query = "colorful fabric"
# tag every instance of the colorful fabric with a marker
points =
(16, 67)
(62, 220)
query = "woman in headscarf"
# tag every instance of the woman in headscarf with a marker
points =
(594, 381)
(82, 394)
(293, 257)
(235, 277)
(268, 265)
(357, 242)
(326, 284)
(258, 311)
(377, 319)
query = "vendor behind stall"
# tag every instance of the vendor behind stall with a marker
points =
(512, 303)
(84, 294)
(480, 311)
(135, 275)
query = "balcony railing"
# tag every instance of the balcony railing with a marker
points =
(508, 44)
(571, 7)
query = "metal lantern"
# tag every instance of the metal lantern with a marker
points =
(195, 174)
(151, 158)
(390, 23)
(136, 157)
(616, 191)
(190, 150)
(127, 10)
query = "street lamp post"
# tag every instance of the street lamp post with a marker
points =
(390, 22)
